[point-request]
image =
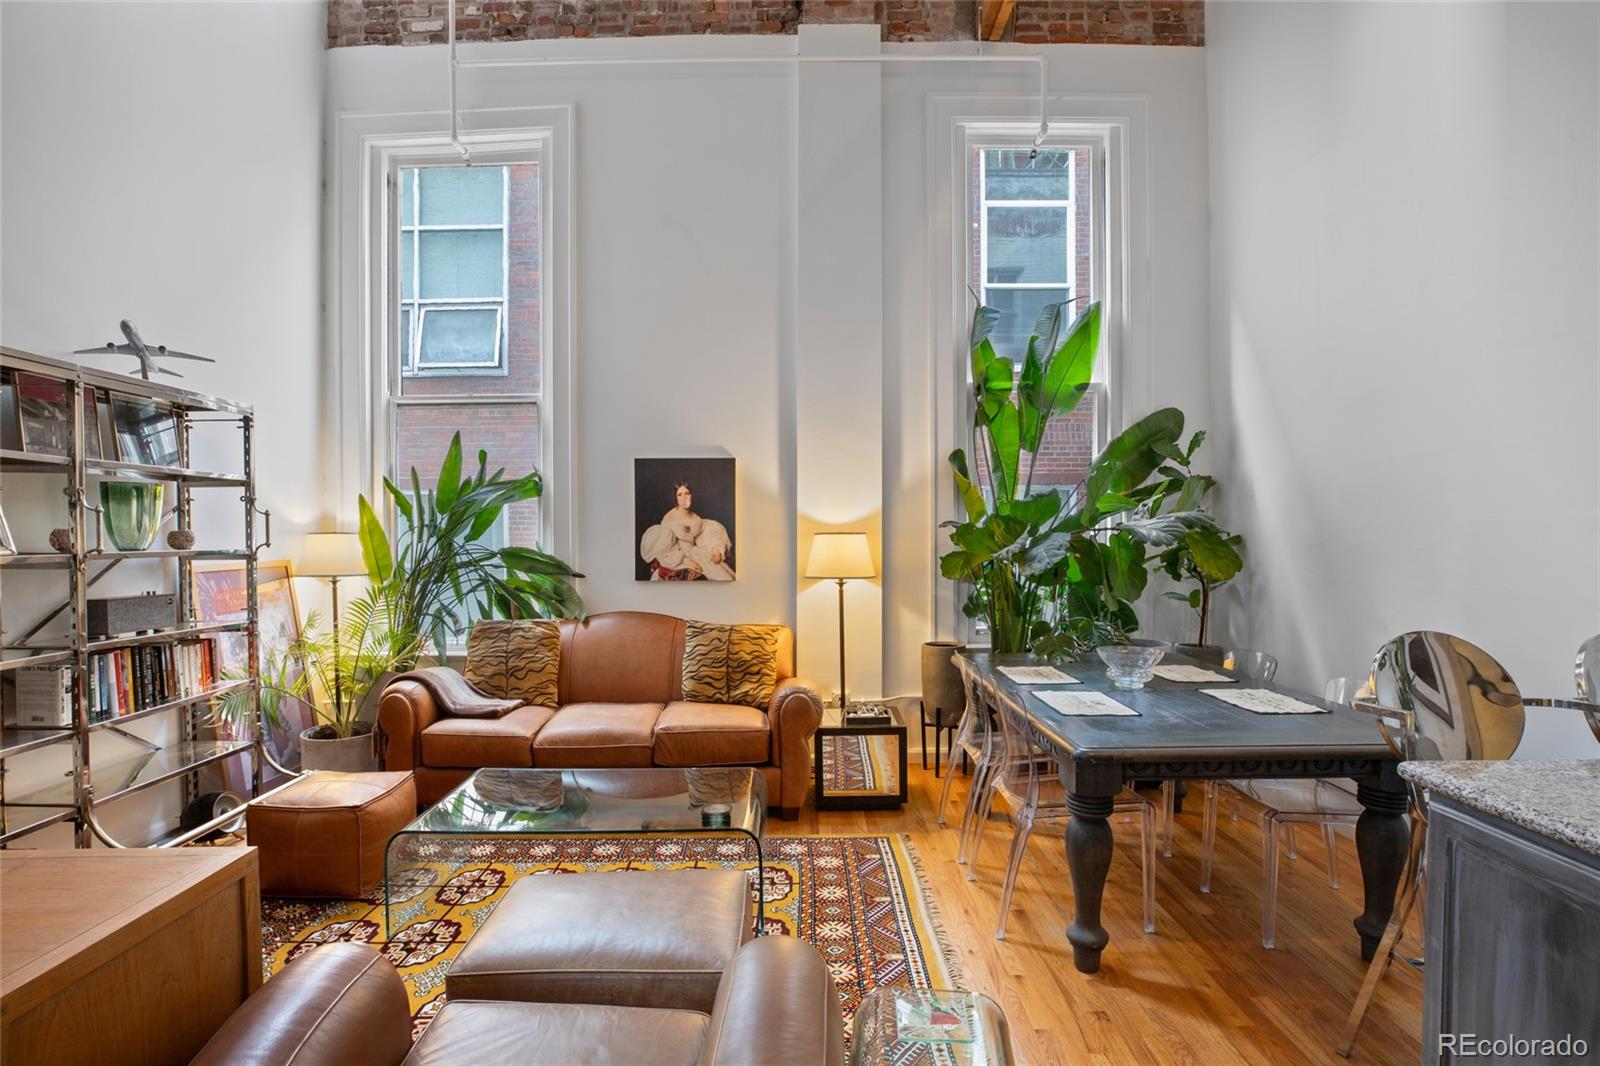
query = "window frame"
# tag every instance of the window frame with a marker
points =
(411, 363)
(1107, 137)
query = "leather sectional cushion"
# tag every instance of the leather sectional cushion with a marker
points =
(476, 742)
(711, 734)
(598, 734)
(518, 659)
(635, 938)
(557, 1034)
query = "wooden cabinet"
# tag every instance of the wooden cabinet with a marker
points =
(1513, 941)
(128, 957)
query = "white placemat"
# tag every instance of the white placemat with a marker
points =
(1084, 703)
(1263, 701)
(1038, 675)
(1181, 672)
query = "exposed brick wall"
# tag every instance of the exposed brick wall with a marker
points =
(1157, 22)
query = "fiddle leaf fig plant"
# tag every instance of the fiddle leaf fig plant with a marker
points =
(1206, 555)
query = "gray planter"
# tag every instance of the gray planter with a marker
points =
(322, 749)
(944, 699)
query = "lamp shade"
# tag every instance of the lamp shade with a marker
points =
(331, 555)
(840, 555)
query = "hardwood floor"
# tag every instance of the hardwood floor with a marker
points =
(1201, 989)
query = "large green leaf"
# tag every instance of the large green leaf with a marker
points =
(448, 487)
(971, 495)
(1213, 555)
(983, 323)
(1125, 569)
(1005, 444)
(1071, 368)
(375, 551)
(1130, 458)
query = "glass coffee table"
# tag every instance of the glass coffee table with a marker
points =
(515, 802)
(938, 1027)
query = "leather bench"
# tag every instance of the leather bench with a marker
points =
(325, 834)
(645, 938)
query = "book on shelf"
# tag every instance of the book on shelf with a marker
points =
(43, 696)
(131, 680)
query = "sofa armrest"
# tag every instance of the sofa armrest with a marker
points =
(776, 1006)
(340, 1003)
(793, 715)
(404, 711)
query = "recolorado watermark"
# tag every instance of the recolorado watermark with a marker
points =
(1471, 1045)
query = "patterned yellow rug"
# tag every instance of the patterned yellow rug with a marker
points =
(861, 900)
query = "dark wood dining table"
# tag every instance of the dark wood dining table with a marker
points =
(1181, 733)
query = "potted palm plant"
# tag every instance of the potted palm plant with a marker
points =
(346, 668)
(437, 575)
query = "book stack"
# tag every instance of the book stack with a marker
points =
(131, 680)
(43, 697)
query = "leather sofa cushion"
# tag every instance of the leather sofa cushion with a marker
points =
(621, 657)
(516, 659)
(339, 1003)
(597, 734)
(777, 1005)
(635, 938)
(558, 1034)
(711, 734)
(479, 742)
(325, 834)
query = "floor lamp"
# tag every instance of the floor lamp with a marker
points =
(840, 557)
(332, 555)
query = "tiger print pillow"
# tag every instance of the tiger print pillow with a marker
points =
(730, 664)
(518, 659)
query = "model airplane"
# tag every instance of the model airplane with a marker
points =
(145, 353)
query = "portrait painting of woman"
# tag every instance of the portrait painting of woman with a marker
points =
(684, 514)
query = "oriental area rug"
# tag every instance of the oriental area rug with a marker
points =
(862, 901)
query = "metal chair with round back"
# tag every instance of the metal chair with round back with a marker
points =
(1435, 697)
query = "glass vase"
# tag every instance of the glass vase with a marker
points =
(131, 511)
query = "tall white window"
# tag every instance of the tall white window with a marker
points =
(1033, 241)
(468, 355)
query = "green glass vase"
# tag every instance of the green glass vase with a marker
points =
(132, 513)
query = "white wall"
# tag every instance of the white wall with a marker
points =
(1406, 259)
(162, 162)
(719, 275)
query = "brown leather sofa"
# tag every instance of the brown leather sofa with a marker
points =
(621, 705)
(343, 1005)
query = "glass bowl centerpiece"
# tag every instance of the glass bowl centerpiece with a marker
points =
(1132, 664)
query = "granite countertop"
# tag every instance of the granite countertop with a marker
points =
(1558, 798)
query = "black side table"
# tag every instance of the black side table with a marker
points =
(859, 767)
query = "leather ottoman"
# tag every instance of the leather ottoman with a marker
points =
(656, 938)
(324, 835)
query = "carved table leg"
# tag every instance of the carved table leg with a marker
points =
(1089, 859)
(1381, 841)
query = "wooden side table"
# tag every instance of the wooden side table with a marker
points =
(131, 957)
(859, 767)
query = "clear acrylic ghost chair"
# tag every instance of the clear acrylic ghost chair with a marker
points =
(1435, 696)
(975, 739)
(1281, 805)
(1250, 666)
(1027, 778)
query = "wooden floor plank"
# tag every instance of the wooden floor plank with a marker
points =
(1201, 990)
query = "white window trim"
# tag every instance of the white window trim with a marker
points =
(361, 251)
(1118, 125)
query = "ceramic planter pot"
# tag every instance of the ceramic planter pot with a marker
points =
(323, 749)
(942, 695)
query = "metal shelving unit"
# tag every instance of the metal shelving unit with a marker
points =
(77, 794)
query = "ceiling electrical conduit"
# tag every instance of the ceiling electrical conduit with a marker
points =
(456, 64)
